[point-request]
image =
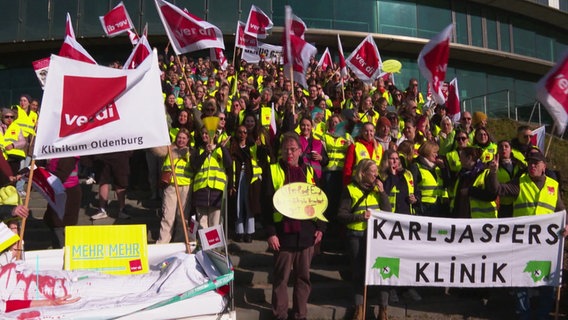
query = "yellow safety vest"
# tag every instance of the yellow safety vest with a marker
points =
(336, 148)
(479, 208)
(361, 153)
(370, 202)
(431, 187)
(278, 179)
(256, 169)
(11, 136)
(532, 201)
(182, 170)
(212, 173)
(394, 191)
(504, 177)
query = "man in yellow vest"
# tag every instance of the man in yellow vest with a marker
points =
(534, 194)
(291, 240)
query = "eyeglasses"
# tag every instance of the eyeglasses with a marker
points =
(8, 117)
(290, 150)
(221, 119)
(242, 131)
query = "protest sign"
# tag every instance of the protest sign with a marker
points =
(408, 250)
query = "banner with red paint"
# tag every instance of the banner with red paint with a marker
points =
(552, 92)
(433, 62)
(365, 60)
(116, 21)
(41, 68)
(186, 32)
(90, 109)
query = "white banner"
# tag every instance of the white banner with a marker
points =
(264, 51)
(91, 109)
(407, 250)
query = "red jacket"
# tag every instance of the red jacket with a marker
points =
(350, 158)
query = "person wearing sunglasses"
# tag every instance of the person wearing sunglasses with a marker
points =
(14, 140)
(522, 143)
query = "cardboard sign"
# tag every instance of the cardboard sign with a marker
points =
(112, 249)
(301, 201)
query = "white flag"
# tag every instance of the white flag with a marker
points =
(212, 237)
(91, 109)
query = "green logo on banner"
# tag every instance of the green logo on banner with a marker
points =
(538, 269)
(388, 266)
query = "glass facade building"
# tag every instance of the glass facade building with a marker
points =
(499, 48)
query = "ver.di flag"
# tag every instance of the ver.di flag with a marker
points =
(71, 48)
(325, 60)
(433, 62)
(365, 60)
(212, 237)
(243, 40)
(552, 92)
(218, 55)
(342, 64)
(89, 109)
(41, 68)
(116, 21)
(453, 108)
(140, 52)
(258, 23)
(297, 52)
(298, 26)
(538, 136)
(186, 32)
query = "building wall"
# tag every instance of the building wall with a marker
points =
(32, 29)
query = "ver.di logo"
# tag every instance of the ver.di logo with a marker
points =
(538, 269)
(388, 267)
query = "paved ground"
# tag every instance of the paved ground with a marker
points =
(330, 298)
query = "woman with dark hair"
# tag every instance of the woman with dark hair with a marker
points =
(313, 151)
(431, 179)
(184, 120)
(398, 183)
(509, 168)
(482, 139)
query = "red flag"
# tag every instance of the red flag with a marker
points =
(453, 109)
(139, 54)
(186, 33)
(217, 54)
(325, 60)
(242, 39)
(69, 27)
(73, 50)
(297, 52)
(50, 188)
(212, 237)
(342, 64)
(258, 23)
(552, 92)
(433, 61)
(133, 37)
(537, 138)
(365, 61)
(298, 26)
(116, 21)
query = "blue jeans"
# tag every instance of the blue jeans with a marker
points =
(244, 220)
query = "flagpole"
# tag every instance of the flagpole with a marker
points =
(20, 246)
(180, 207)
(551, 137)
(178, 61)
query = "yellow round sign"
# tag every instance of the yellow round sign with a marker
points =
(391, 66)
(302, 201)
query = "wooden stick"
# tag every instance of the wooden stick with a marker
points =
(549, 141)
(186, 82)
(365, 302)
(20, 246)
(558, 294)
(180, 207)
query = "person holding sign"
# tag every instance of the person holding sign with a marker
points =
(365, 192)
(291, 240)
(534, 193)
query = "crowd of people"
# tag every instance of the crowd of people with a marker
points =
(367, 146)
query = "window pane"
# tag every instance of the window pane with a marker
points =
(505, 34)
(460, 10)
(224, 14)
(89, 23)
(133, 9)
(8, 21)
(398, 18)
(318, 14)
(523, 37)
(476, 28)
(355, 15)
(491, 28)
(433, 17)
(35, 23)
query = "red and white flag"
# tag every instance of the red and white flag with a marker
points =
(217, 54)
(365, 60)
(51, 189)
(73, 50)
(69, 27)
(258, 23)
(243, 40)
(273, 127)
(134, 38)
(342, 64)
(537, 138)
(41, 67)
(192, 228)
(552, 92)
(116, 21)
(297, 52)
(141, 51)
(90, 109)
(433, 62)
(212, 237)
(453, 108)
(186, 33)
(298, 26)
(325, 60)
